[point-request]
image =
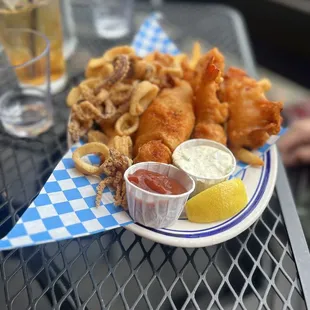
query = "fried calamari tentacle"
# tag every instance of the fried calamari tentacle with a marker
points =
(101, 186)
(116, 162)
(87, 93)
(117, 184)
(120, 93)
(79, 129)
(74, 130)
(102, 96)
(142, 96)
(86, 149)
(121, 66)
(109, 109)
(112, 53)
(79, 114)
(114, 167)
(90, 111)
(127, 124)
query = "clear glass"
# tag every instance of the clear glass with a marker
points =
(112, 18)
(42, 16)
(68, 28)
(25, 100)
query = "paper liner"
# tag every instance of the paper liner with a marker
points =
(157, 210)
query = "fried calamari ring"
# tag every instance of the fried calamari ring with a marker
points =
(91, 82)
(86, 149)
(142, 70)
(106, 70)
(127, 124)
(73, 96)
(119, 112)
(144, 93)
(95, 63)
(98, 68)
(112, 53)
(123, 144)
(97, 136)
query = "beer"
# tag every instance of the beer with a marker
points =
(39, 15)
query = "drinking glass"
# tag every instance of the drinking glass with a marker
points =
(70, 40)
(42, 16)
(25, 100)
(112, 18)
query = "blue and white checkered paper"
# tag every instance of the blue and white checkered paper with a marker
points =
(64, 208)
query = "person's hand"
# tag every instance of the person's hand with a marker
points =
(295, 144)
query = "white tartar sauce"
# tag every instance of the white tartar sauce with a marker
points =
(204, 161)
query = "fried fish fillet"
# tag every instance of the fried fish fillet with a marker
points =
(154, 150)
(169, 119)
(252, 117)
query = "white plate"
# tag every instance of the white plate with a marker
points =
(259, 184)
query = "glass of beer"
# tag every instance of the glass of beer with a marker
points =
(42, 16)
(25, 101)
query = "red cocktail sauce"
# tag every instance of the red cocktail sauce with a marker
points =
(156, 183)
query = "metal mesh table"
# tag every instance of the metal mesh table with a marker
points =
(266, 267)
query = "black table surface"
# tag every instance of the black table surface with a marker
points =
(266, 267)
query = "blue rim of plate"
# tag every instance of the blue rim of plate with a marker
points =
(230, 223)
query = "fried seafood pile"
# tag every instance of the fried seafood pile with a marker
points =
(143, 108)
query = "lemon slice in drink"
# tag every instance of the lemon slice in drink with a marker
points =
(218, 202)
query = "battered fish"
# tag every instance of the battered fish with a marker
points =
(169, 119)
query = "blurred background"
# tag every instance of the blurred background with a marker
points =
(278, 33)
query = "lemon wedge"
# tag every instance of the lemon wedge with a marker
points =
(218, 202)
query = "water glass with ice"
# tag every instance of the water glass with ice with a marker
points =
(112, 18)
(25, 100)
